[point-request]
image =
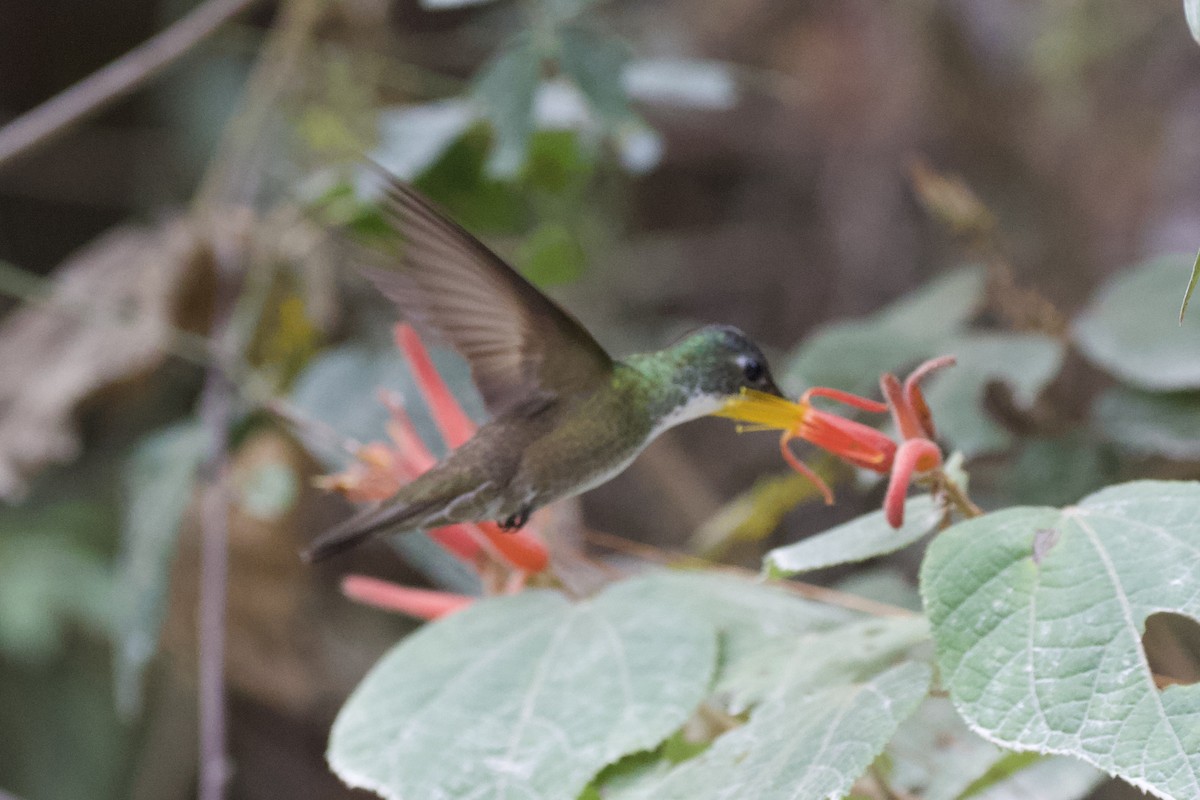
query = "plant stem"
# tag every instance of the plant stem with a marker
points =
(810, 591)
(957, 497)
(107, 84)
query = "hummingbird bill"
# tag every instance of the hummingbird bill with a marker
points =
(565, 416)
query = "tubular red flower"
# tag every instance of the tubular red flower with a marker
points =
(914, 456)
(520, 548)
(421, 603)
(860, 445)
(853, 442)
(804, 469)
(381, 469)
(452, 421)
(846, 398)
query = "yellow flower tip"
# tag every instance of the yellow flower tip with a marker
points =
(763, 411)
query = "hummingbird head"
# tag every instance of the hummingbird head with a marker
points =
(720, 361)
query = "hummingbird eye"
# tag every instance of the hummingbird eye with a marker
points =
(753, 369)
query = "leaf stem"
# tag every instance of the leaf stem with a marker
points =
(956, 496)
(809, 591)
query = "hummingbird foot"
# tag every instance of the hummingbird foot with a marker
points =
(517, 520)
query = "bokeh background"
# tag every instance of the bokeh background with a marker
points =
(767, 173)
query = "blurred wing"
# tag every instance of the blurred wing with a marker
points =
(519, 343)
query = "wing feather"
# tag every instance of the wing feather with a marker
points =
(520, 344)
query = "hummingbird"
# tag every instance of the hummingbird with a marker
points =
(565, 416)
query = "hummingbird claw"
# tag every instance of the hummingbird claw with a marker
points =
(517, 520)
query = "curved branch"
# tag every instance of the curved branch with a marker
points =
(109, 83)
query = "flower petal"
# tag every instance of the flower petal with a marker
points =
(912, 454)
(520, 548)
(421, 603)
(452, 421)
(804, 469)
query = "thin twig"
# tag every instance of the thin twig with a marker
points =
(809, 591)
(229, 181)
(69, 107)
(216, 413)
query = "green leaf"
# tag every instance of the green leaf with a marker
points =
(551, 255)
(413, 138)
(685, 83)
(48, 581)
(524, 696)
(755, 514)
(746, 614)
(1150, 423)
(158, 482)
(1191, 9)
(460, 182)
(1130, 328)
(866, 537)
(935, 756)
(1028, 776)
(1025, 363)
(595, 62)
(1044, 653)
(820, 658)
(852, 354)
(801, 743)
(63, 706)
(883, 584)
(504, 92)
(558, 161)
(1055, 471)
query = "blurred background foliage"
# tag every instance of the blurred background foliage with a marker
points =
(857, 185)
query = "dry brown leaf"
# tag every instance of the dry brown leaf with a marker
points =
(109, 317)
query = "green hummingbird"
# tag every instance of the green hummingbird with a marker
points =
(565, 415)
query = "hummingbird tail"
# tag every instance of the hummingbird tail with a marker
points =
(362, 526)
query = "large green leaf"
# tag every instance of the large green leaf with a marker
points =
(866, 537)
(1132, 330)
(746, 614)
(595, 62)
(800, 743)
(1151, 423)
(1038, 615)
(1053, 471)
(413, 138)
(158, 482)
(524, 697)
(851, 652)
(1024, 363)
(852, 354)
(935, 756)
(504, 92)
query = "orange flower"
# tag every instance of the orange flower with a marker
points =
(854, 442)
(382, 468)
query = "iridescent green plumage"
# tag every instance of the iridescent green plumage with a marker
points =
(566, 416)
